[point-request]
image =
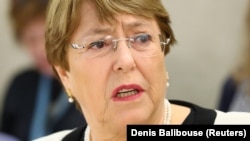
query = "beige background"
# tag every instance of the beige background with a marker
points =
(210, 36)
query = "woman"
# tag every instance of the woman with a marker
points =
(109, 56)
(235, 95)
(35, 104)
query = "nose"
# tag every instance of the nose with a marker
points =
(124, 59)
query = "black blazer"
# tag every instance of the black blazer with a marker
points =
(19, 105)
(228, 91)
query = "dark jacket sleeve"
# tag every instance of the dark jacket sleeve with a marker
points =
(227, 93)
(18, 104)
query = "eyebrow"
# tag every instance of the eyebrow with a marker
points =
(108, 30)
(134, 25)
(102, 30)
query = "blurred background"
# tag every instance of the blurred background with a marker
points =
(210, 35)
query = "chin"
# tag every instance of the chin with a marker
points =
(133, 114)
(133, 117)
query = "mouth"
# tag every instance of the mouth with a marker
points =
(126, 92)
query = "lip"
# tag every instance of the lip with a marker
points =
(129, 86)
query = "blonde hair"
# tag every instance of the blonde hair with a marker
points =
(63, 19)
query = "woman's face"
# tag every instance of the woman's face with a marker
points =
(123, 86)
(32, 38)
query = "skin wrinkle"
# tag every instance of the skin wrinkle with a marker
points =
(124, 26)
(120, 67)
(93, 77)
(132, 67)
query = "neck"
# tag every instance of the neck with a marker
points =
(121, 135)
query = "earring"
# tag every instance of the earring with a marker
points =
(167, 76)
(167, 84)
(70, 97)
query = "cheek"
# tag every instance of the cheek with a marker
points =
(153, 70)
(159, 70)
(80, 81)
(88, 83)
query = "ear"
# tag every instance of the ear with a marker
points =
(63, 75)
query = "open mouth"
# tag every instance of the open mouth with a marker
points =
(127, 92)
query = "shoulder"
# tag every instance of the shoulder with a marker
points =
(57, 136)
(198, 114)
(201, 115)
(232, 117)
(23, 82)
(28, 75)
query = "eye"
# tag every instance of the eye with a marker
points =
(99, 44)
(142, 38)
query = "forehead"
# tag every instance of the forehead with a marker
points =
(89, 21)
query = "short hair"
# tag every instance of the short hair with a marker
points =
(21, 12)
(63, 19)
